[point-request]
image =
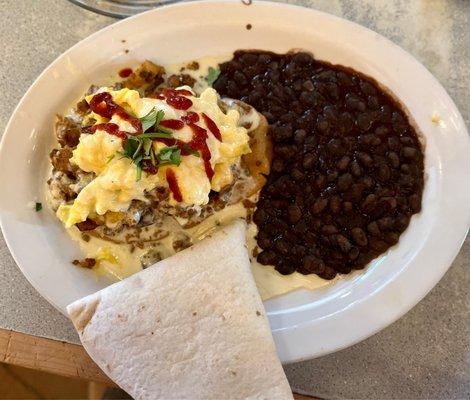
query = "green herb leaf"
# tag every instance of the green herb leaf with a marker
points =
(38, 206)
(156, 135)
(164, 130)
(212, 75)
(131, 145)
(153, 118)
(159, 117)
(149, 120)
(147, 146)
(170, 155)
(138, 172)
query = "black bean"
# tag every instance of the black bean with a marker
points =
(383, 173)
(359, 236)
(392, 238)
(263, 240)
(343, 163)
(313, 264)
(259, 216)
(356, 169)
(394, 159)
(249, 59)
(308, 161)
(415, 202)
(297, 174)
(329, 229)
(367, 88)
(378, 245)
(294, 213)
(299, 136)
(331, 176)
(386, 223)
(267, 257)
(373, 228)
(335, 204)
(409, 152)
(328, 273)
(345, 181)
(319, 205)
(364, 158)
(343, 243)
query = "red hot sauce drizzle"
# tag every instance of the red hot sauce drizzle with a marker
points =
(190, 118)
(173, 184)
(212, 127)
(174, 124)
(176, 99)
(110, 128)
(125, 72)
(199, 143)
(103, 105)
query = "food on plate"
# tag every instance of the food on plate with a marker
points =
(320, 160)
(192, 326)
(347, 172)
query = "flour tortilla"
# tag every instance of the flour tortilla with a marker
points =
(190, 327)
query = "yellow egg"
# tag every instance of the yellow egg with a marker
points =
(94, 151)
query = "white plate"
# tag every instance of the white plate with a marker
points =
(305, 324)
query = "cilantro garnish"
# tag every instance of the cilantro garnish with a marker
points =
(153, 118)
(38, 206)
(212, 75)
(170, 155)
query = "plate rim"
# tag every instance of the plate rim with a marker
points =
(297, 333)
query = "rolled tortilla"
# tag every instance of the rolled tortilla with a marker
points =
(190, 327)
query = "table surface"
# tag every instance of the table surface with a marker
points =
(426, 354)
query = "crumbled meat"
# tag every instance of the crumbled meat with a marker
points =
(87, 225)
(181, 243)
(148, 76)
(175, 81)
(193, 66)
(67, 132)
(85, 263)
(60, 160)
(82, 107)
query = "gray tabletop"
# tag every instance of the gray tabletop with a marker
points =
(426, 354)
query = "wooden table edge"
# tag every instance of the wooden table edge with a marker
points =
(56, 357)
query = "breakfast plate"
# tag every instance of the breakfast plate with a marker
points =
(305, 323)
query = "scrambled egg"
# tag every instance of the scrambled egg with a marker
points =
(115, 185)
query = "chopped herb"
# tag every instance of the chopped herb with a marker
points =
(138, 173)
(147, 144)
(212, 75)
(38, 206)
(155, 135)
(159, 117)
(170, 155)
(149, 120)
(152, 119)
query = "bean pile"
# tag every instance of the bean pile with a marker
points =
(347, 170)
